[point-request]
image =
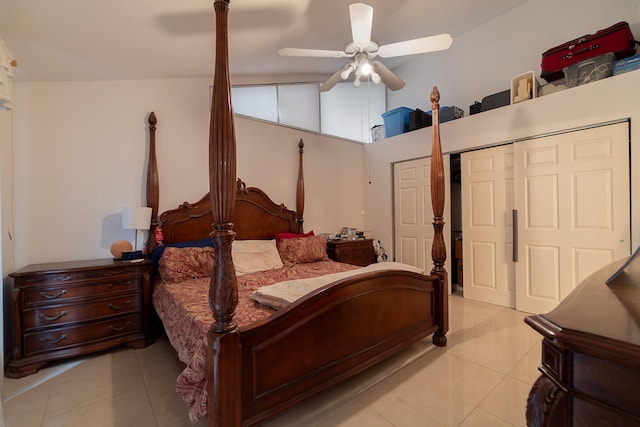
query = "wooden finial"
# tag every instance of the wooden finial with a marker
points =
(435, 95)
(153, 121)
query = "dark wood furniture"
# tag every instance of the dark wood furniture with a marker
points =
(66, 309)
(590, 354)
(356, 252)
(258, 371)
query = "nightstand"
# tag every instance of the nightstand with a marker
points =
(357, 252)
(67, 309)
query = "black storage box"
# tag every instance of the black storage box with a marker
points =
(475, 108)
(419, 119)
(450, 113)
(496, 100)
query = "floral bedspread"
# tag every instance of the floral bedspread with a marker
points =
(184, 310)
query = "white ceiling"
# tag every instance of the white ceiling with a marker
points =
(68, 40)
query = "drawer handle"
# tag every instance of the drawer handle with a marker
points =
(58, 295)
(119, 307)
(53, 341)
(124, 283)
(113, 328)
(52, 318)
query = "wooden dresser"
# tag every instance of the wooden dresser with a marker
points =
(591, 355)
(66, 309)
(358, 252)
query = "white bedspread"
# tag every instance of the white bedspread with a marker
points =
(281, 294)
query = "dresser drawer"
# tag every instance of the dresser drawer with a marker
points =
(56, 339)
(67, 291)
(608, 381)
(79, 275)
(553, 361)
(359, 256)
(62, 314)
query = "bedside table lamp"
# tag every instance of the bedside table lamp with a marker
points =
(137, 218)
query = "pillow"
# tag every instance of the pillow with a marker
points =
(281, 236)
(177, 264)
(157, 252)
(250, 256)
(300, 250)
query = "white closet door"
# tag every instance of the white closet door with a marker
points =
(413, 213)
(573, 208)
(487, 204)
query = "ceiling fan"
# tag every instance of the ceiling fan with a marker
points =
(363, 50)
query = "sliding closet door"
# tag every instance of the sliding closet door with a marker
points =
(413, 213)
(569, 194)
(487, 230)
(573, 209)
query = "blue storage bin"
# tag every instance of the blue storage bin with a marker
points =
(396, 121)
(627, 64)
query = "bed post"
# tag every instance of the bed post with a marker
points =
(438, 249)
(224, 348)
(153, 190)
(300, 189)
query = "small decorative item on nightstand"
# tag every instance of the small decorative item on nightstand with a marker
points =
(119, 247)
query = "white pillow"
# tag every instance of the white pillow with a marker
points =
(250, 256)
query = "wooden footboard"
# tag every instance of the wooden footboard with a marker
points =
(331, 335)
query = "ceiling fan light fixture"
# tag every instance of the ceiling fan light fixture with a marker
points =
(363, 50)
(346, 73)
(365, 68)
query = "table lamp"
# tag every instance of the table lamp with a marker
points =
(136, 218)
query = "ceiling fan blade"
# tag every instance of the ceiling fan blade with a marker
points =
(292, 51)
(387, 76)
(335, 78)
(412, 47)
(361, 21)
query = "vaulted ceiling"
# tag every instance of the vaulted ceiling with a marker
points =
(68, 40)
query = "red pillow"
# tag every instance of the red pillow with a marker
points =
(280, 236)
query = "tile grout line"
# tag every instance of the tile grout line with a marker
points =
(146, 386)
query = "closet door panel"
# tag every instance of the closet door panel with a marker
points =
(575, 211)
(571, 197)
(487, 227)
(413, 214)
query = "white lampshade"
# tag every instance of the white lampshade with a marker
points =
(137, 218)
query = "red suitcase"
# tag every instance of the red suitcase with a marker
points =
(617, 39)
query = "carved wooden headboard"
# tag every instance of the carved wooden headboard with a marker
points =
(255, 216)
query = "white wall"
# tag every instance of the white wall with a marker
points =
(6, 231)
(332, 172)
(483, 61)
(607, 100)
(80, 153)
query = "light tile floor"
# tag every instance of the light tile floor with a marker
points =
(482, 378)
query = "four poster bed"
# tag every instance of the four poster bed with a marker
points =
(246, 362)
